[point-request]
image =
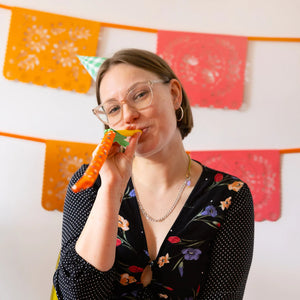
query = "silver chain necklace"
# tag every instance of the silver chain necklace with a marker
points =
(187, 181)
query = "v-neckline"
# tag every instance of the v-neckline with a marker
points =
(177, 220)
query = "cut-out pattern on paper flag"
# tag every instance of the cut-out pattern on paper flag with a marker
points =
(42, 49)
(260, 169)
(62, 160)
(210, 67)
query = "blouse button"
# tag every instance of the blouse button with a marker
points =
(151, 263)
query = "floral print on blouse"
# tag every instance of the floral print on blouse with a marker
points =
(183, 268)
(182, 263)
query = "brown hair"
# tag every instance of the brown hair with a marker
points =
(150, 62)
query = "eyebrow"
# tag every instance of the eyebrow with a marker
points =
(128, 90)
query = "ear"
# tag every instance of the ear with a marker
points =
(176, 92)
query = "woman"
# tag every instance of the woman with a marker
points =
(156, 224)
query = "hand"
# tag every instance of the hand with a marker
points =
(117, 168)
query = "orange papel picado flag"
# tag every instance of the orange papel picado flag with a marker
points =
(42, 49)
(61, 161)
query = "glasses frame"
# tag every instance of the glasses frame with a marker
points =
(97, 110)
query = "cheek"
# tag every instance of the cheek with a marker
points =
(165, 110)
(167, 116)
(166, 125)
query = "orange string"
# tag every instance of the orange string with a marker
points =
(152, 30)
(273, 39)
(17, 136)
(127, 27)
(23, 137)
(286, 151)
(5, 6)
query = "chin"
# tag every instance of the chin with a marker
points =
(142, 152)
(147, 150)
(144, 149)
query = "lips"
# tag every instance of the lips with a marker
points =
(144, 129)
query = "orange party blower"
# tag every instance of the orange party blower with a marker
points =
(91, 173)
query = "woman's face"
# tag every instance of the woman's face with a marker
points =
(157, 121)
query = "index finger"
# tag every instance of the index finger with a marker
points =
(130, 149)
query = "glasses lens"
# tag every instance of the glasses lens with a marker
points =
(99, 112)
(140, 96)
(113, 111)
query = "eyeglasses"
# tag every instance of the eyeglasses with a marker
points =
(139, 96)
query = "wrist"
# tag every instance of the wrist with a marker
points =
(111, 192)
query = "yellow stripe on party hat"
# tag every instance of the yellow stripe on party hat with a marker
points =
(91, 64)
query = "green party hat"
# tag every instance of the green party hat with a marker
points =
(91, 64)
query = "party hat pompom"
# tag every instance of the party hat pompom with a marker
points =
(91, 64)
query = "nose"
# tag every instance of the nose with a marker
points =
(130, 113)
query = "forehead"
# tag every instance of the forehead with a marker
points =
(119, 78)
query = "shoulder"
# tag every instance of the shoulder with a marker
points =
(219, 178)
(227, 188)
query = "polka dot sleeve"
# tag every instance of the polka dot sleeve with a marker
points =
(75, 278)
(232, 252)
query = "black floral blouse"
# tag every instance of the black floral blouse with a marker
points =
(206, 254)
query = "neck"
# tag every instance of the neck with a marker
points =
(162, 170)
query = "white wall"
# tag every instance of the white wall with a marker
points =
(269, 119)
